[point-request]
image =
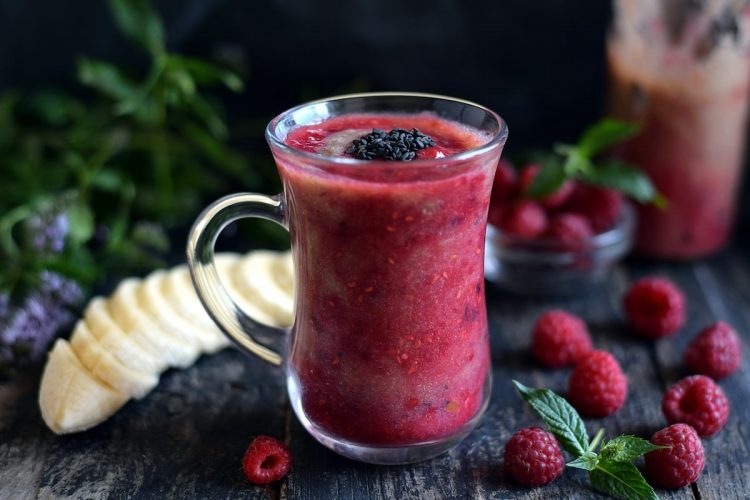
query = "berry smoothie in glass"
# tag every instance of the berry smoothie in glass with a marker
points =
(681, 69)
(386, 199)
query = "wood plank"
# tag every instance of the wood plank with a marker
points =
(185, 440)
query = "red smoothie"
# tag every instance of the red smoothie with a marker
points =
(390, 344)
(682, 70)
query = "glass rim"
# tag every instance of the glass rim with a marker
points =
(498, 138)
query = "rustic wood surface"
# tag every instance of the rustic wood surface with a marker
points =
(186, 439)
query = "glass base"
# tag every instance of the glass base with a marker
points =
(387, 455)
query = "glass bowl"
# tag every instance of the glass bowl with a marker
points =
(543, 267)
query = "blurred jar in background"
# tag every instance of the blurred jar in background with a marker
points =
(681, 69)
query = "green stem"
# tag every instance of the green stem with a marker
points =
(597, 439)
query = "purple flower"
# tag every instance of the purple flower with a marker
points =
(60, 288)
(46, 232)
(33, 325)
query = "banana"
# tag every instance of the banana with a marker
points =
(255, 280)
(177, 289)
(120, 347)
(283, 272)
(128, 315)
(70, 397)
(104, 365)
(158, 307)
(113, 339)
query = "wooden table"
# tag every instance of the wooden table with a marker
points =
(186, 439)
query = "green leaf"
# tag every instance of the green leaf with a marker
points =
(549, 179)
(139, 22)
(106, 78)
(587, 461)
(604, 134)
(80, 223)
(628, 180)
(206, 73)
(621, 480)
(626, 449)
(561, 419)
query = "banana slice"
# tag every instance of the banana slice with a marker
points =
(71, 399)
(158, 307)
(113, 339)
(128, 315)
(283, 269)
(177, 288)
(257, 282)
(104, 365)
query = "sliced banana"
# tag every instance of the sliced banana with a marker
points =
(118, 350)
(283, 272)
(113, 339)
(105, 366)
(71, 399)
(154, 302)
(178, 290)
(256, 280)
(128, 315)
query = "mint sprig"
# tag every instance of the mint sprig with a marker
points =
(579, 162)
(611, 470)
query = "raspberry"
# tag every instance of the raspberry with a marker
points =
(601, 206)
(560, 339)
(533, 457)
(504, 186)
(698, 402)
(266, 460)
(597, 387)
(569, 229)
(681, 463)
(525, 218)
(715, 351)
(553, 200)
(655, 307)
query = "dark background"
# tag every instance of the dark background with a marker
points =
(540, 64)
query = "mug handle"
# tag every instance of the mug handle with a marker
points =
(238, 326)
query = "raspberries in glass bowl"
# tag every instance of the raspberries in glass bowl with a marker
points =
(557, 244)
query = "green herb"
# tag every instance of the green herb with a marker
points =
(138, 156)
(610, 469)
(579, 162)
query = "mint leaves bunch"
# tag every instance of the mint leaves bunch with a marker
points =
(611, 468)
(582, 162)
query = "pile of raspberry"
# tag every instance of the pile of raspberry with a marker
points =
(570, 215)
(695, 407)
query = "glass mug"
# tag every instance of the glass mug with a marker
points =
(388, 359)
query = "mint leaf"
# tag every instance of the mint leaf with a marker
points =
(561, 419)
(626, 448)
(139, 22)
(626, 179)
(604, 134)
(587, 461)
(622, 480)
(549, 179)
(106, 78)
